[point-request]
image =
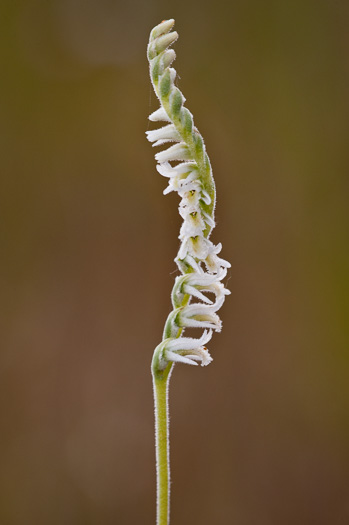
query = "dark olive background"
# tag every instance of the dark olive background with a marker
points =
(88, 241)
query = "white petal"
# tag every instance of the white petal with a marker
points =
(159, 115)
(165, 134)
(201, 354)
(214, 263)
(189, 343)
(167, 170)
(192, 225)
(190, 261)
(177, 152)
(204, 279)
(194, 264)
(172, 356)
(194, 323)
(186, 182)
(196, 283)
(183, 250)
(198, 309)
(206, 198)
(190, 193)
(206, 359)
(208, 219)
(196, 293)
(198, 247)
(168, 189)
(187, 207)
(192, 185)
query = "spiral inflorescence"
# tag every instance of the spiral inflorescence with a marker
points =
(187, 166)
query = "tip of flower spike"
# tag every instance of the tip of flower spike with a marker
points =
(164, 27)
(161, 39)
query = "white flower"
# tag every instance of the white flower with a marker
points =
(159, 115)
(188, 350)
(206, 198)
(165, 169)
(194, 284)
(213, 262)
(179, 151)
(188, 263)
(190, 203)
(199, 315)
(162, 135)
(197, 247)
(208, 219)
(180, 176)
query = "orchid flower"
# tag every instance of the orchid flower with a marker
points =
(185, 163)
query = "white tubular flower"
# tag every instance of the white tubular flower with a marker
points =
(188, 350)
(180, 176)
(195, 284)
(200, 316)
(192, 225)
(177, 152)
(162, 135)
(159, 115)
(188, 169)
(214, 263)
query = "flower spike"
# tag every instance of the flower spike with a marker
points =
(186, 165)
(198, 293)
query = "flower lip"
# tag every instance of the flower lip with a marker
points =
(198, 315)
(189, 343)
(159, 115)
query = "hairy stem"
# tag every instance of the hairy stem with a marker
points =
(161, 384)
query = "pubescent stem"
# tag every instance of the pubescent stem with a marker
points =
(161, 380)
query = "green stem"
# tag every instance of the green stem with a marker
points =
(161, 383)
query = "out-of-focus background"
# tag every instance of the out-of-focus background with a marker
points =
(87, 248)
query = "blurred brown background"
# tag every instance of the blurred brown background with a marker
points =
(87, 247)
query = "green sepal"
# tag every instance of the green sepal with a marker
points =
(167, 58)
(186, 120)
(177, 294)
(176, 102)
(172, 327)
(199, 144)
(160, 367)
(155, 69)
(165, 84)
(164, 41)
